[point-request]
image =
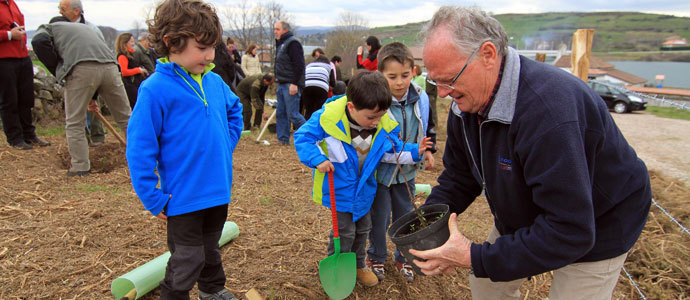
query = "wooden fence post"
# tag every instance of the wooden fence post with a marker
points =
(581, 50)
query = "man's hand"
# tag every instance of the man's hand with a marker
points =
(429, 157)
(18, 33)
(144, 71)
(359, 50)
(325, 167)
(454, 253)
(426, 143)
(293, 89)
(93, 106)
(264, 116)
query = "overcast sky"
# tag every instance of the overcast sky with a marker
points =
(122, 14)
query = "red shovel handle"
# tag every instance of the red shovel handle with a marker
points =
(331, 189)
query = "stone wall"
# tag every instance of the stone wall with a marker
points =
(48, 96)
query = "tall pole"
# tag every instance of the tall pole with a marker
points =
(582, 49)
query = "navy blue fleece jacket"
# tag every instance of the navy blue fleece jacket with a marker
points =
(562, 182)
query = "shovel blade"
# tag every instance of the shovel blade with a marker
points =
(338, 274)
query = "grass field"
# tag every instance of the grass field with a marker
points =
(669, 112)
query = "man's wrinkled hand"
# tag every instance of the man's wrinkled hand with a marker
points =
(443, 260)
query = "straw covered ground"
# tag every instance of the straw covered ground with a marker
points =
(69, 238)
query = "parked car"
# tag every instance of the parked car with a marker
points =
(617, 98)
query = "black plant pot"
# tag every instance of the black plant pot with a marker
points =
(433, 236)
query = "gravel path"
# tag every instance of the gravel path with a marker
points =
(663, 144)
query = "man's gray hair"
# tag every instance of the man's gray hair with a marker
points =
(470, 27)
(143, 36)
(285, 25)
(76, 4)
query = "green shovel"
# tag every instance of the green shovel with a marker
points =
(338, 272)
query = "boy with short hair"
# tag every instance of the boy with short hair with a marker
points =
(350, 136)
(410, 108)
(185, 126)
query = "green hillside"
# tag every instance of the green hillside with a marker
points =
(613, 31)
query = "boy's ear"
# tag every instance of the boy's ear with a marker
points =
(350, 106)
(166, 40)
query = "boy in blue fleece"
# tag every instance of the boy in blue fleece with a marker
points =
(410, 108)
(349, 137)
(185, 126)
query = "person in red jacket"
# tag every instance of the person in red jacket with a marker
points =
(132, 73)
(16, 80)
(370, 63)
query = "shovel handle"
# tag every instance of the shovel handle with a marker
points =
(331, 189)
(107, 124)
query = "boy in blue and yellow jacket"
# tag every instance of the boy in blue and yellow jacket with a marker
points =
(350, 136)
(185, 126)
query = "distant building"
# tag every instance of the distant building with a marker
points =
(675, 43)
(602, 70)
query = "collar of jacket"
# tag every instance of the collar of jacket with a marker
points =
(334, 115)
(166, 65)
(284, 37)
(503, 107)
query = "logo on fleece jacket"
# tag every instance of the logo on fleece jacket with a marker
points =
(504, 163)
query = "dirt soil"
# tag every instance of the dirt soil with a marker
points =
(69, 238)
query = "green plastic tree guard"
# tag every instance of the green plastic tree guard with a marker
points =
(147, 277)
(245, 133)
(422, 189)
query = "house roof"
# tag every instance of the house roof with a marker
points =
(598, 66)
(627, 77)
(594, 63)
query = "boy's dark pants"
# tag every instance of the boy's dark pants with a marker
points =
(353, 236)
(195, 257)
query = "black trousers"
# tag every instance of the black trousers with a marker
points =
(313, 98)
(17, 99)
(195, 257)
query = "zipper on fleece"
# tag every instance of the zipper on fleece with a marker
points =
(195, 91)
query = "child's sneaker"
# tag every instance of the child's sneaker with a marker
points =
(220, 295)
(367, 277)
(377, 268)
(405, 270)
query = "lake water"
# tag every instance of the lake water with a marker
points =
(676, 72)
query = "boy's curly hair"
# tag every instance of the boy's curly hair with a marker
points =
(177, 20)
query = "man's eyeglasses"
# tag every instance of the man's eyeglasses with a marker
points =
(452, 82)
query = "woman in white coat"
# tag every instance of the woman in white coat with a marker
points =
(250, 61)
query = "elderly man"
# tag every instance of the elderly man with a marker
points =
(16, 79)
(289, 72)
(74, 53)
(567, 192)
(72, 10)
(142, 53)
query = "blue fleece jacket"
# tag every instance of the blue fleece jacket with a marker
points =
(183, 131)
(562, 182)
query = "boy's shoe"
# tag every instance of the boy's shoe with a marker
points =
(220, 295)
(405, 270)
(367, 277)
(377, 268)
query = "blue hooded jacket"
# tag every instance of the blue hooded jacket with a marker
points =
(326, 136)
